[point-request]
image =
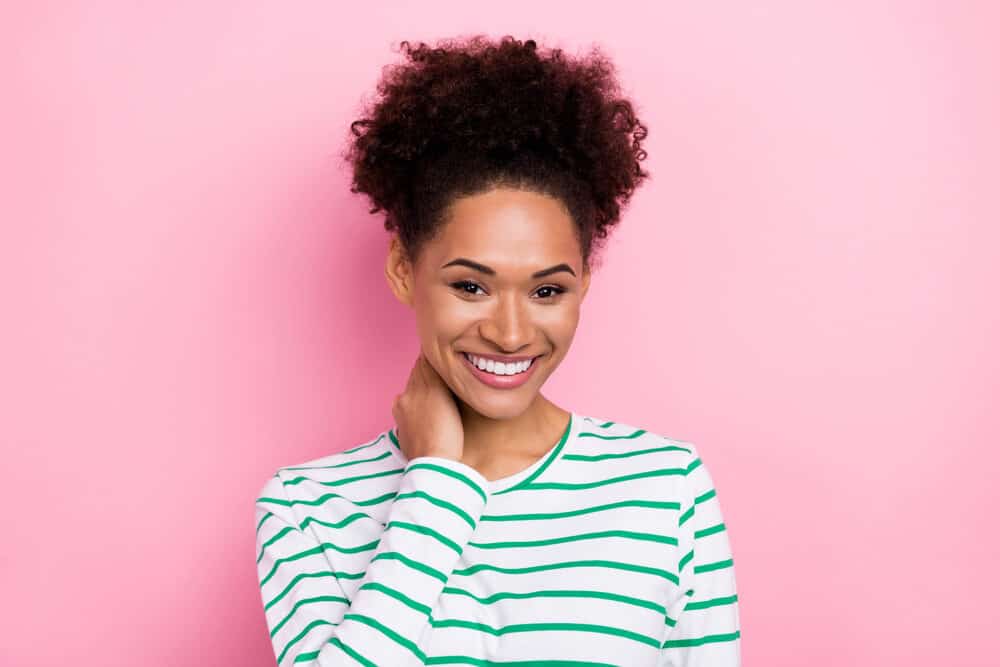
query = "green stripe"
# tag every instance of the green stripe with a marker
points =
(341, 465)
(547, 627)
(607, 424)
(601, 595)
(395, 441)
(478, 662)
(709, 567)
(711, 530)
(277, 536)
(325, 497)
(319, 549)
(365, 446)
(388, 632)
(623, 455)
(315, 624)
(451, 473)
(634, 434)
(345, 480)
(699, 641)
(650, 537)
(267, 515)
(705, 496)
(685, 516)
(339, 524)
(713, 602)
(321, 598)
(440, 503)
(302, 526)
(694, 464)
(413, 564)
(610, 564)
(656, 504)
(310, 575)
(312, 655)
(685, 560)
(393, 593)
(424, 530)
(611, 480)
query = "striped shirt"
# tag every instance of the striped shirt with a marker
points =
(609, 550)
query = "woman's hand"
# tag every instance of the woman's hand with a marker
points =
(427, 419)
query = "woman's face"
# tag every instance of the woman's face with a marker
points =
(473, 291)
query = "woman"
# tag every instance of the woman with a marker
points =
(490, 525)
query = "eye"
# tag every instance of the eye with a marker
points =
(469, 287)
(464, 286)
(554, 290)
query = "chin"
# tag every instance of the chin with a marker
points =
(500, 408)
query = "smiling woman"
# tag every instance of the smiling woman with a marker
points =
(489, 525)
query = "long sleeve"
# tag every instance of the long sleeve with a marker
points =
(313, 621)
(705, 628)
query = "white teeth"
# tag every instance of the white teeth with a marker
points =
(498, 367)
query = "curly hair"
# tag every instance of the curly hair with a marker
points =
(470, 114)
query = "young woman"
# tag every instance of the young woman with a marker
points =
(490, 526)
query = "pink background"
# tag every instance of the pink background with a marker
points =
(807, 288)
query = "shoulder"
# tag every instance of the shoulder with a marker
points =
(614, 438)
(679, 463)
(351, 476)
(359, 456)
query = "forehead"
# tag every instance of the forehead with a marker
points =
(508, 228)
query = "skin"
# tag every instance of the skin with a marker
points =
(515, 232)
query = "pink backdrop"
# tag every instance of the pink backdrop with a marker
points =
(807, 288)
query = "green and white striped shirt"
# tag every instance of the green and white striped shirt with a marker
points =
(609, 550)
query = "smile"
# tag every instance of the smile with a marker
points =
(497, 374)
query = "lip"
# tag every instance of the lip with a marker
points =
(507, 359)
(500, 381)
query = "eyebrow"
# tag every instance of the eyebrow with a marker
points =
(482, 268)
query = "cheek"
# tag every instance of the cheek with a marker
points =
(561, 323)
(441, 317)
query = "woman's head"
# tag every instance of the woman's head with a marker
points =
(475, 291)
(515, 161)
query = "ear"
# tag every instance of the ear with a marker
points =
(585, 281)
(399, 272)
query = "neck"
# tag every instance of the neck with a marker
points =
(529, 434)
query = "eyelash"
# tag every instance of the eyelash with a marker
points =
(465, 283)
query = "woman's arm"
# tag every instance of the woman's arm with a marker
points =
(309, 616)
(705, 623)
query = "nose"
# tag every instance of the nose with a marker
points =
(508, 325)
